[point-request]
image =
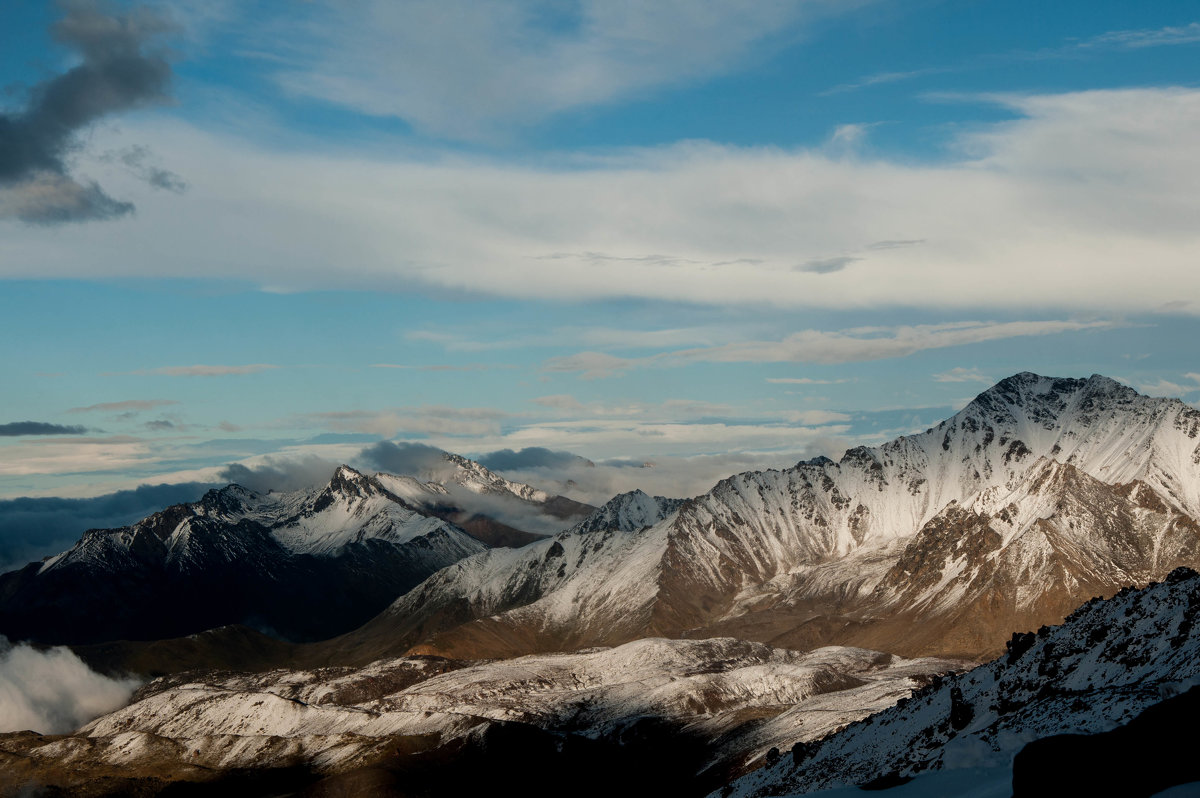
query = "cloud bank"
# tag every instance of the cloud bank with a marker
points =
(32, 528)
(15, 429)
(1082, 201)
(53, 691)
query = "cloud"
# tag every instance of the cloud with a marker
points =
(136, 160)
(406, 458)
(530, 457)
(281, 473)
(461, 69)
(1089, 182)
(827, 347)
(804, 381)
(127, 405)
(33, 528)
(65, 455)
(591, 365)
(959, 374)
(667, 475)
(815, 418)
(117, 72)
(52, 691)
(882, 78)
(1168, 388)
(1146, 37)
(18, 428)
(850, 135)
(827, 265)
(415, 421)
(202, 371)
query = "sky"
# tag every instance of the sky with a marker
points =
(677, 239)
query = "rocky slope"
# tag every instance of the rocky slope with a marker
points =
(733, 700)
(1106, 664)
(1038, 494)
(304, 565)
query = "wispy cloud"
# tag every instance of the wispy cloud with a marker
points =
(198, 371)
(960, 374)
(827, 347)
(883, 78)
(804, 381)
(440, 367)
(1146, 37)
(461, 69)
(125, 406)
(592, 365)
(21, 428)
(415, 421)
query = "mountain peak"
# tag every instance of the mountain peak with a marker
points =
(349, 482)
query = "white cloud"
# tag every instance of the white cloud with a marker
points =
(466, 69)
(74, 455)
(827, 347)
(1171, 389)
(410, 421)
(1086, 201)
(960, 374)
(53, 691)
(815, 418)
(1146, 37)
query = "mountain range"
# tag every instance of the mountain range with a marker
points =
(303, 565)
(1039, 494)
(701, 638)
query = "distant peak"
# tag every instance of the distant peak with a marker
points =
(349, 481)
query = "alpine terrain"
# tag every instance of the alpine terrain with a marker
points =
(303, 565)
(1039, 494)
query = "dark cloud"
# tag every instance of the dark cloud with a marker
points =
(160, 425)
(281, 474)
(117, 73)
(15, 428)
(31, 529)
(137, 161)
(405, 458)
(530, 457)
(827, 265)
(896, 243)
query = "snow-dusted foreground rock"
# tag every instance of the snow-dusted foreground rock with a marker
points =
(737, 699)
(1106, 664)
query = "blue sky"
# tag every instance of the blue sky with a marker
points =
(711, 236)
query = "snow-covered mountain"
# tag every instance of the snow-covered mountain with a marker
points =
(1107, 663)
(749, 696)
(306, 564)
(1039, 494)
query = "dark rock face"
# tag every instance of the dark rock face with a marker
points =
(221, 561)
(257, 583)
(1152, 752)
